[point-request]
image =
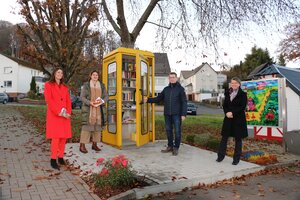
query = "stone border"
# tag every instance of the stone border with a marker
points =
(154, 190)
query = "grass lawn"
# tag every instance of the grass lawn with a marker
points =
(36, 115)
(193, 125)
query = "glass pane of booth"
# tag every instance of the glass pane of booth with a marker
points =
(128, 98)
(150, 95)
(144, 88)
(111, 116)
(112, 79)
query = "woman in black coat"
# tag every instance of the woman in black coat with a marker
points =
(234, 124)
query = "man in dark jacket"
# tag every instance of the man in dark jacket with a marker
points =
(175, 108)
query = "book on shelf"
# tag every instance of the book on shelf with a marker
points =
(128, 83)
(127, 96)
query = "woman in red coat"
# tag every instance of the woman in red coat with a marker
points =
(58, 123)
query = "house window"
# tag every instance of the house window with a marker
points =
(8, 70)
(8, 84)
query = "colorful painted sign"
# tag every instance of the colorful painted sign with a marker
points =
(262, 105)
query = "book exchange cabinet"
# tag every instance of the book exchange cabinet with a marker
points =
(128, 75)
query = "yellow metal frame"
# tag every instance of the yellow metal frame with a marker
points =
(115, 139)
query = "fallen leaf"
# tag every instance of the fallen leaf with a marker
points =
(41, 178)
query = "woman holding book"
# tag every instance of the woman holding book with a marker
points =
(93, 95)
(58, 123)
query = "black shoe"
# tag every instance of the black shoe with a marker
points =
(175, 152)
(220, 159)
(61, 161)
(235, 162)
(168, 149)
(54, 164)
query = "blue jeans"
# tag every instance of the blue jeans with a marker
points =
(170, 121)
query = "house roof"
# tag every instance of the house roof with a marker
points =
(23, 62)
(188, 73)
(256, 70)
(292, 77)
(162, 66)
(291, 74)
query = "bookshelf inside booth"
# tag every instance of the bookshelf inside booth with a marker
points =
(128, 99)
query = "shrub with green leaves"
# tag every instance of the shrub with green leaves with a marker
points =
(190, 139)
(202, 139)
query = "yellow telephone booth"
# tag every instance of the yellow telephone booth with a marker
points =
(128, 75)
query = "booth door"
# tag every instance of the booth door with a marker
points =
(111, 134)
(143, 134)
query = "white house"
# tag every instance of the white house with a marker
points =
(162, 70)
(16, 75)
(200, 83)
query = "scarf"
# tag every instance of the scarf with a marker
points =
(95, 115)
(232, 93)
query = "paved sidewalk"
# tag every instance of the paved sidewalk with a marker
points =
(169, 173)
(25, 171)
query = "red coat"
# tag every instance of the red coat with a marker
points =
(57, 97)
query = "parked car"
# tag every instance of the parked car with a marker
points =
(76, 101)
(3, 98)
(191, 108)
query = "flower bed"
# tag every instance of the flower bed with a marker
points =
(115, 176)
(257, 157)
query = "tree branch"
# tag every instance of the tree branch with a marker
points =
(110, 19)
(137, 29)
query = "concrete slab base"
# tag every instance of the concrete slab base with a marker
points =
(170, 173)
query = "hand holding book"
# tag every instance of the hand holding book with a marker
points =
(63, 113)
(99, 101)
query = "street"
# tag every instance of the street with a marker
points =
(201, 110)
(280, 186)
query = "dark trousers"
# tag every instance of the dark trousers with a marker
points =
(237, 148)
(170, 121)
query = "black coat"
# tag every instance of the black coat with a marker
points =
(174, 98)
(236, 126)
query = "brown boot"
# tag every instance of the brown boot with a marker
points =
(95, 147)
(82, 148)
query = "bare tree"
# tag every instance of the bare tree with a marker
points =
(56, 32)
(193, 19)
(94, 49)
(6, 29)
(290, 46)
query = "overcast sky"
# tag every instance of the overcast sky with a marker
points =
(236, 47)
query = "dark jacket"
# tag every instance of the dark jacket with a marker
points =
(236, 126)
(174, 98)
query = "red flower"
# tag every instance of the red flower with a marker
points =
(104, 171)
(99, 161)
(124, 163)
